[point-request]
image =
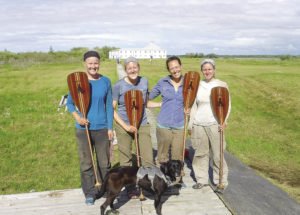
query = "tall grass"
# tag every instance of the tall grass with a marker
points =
(38, 149)
(264, 128)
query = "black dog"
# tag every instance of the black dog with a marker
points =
(155, 182)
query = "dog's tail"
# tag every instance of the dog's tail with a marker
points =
(102, 190)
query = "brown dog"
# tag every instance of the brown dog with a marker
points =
(156, 183)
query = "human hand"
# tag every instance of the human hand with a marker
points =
(187, 111)
(222, 127)
(82, 121)
(110, 134)
(131, 129)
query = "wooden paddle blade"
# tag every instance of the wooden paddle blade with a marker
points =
(79, 87)
(220, 103)
(134, 107)
(190, 88)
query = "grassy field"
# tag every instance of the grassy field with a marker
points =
(38, 150)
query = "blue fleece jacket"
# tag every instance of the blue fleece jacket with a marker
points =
(100, 113)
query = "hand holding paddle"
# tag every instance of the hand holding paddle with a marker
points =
(135, 108)
(131, 129)
(79, 87)
(220, 106)
(80, 120)
(190, 88)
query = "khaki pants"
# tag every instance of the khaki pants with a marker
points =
(167, 138)
(125, 140)
(204, 139)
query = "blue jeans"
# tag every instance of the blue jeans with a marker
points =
(100, 144)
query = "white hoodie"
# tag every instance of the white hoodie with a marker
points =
(201, 112)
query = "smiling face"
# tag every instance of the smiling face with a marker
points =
(92, 65)
(132, 70)
(174, 68)
(208, 71)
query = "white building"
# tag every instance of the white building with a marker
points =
(139, 53)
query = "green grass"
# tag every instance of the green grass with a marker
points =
(38, 149)
(264, 124)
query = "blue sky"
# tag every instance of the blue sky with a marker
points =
(179, 26)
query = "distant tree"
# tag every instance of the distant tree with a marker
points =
(285, 57)
(194, 55)
(5, 56)
(211, 55)
(104, 51)
(79, 50)
(51, 50)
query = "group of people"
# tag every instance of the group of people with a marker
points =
(107, 103)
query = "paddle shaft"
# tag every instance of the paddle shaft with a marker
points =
(97, 184)
(185, 122)
(184, 134)
(220, 109)
(137, 149)
(221, 159)
(185, 126)
(82, 108)
(134, 114)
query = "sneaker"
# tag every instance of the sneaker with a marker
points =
(89, 201)
(198, 186)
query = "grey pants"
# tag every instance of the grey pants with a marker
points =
(169, 139)
(100, 144)
(125, 141)
(206, 140)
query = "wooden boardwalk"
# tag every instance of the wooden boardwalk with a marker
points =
(71, 202)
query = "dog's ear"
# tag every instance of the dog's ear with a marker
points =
(181, 164)
(164, 168)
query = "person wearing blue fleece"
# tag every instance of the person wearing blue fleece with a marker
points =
(100, 122)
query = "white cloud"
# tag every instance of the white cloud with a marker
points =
(244, 42)
(224, 27)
